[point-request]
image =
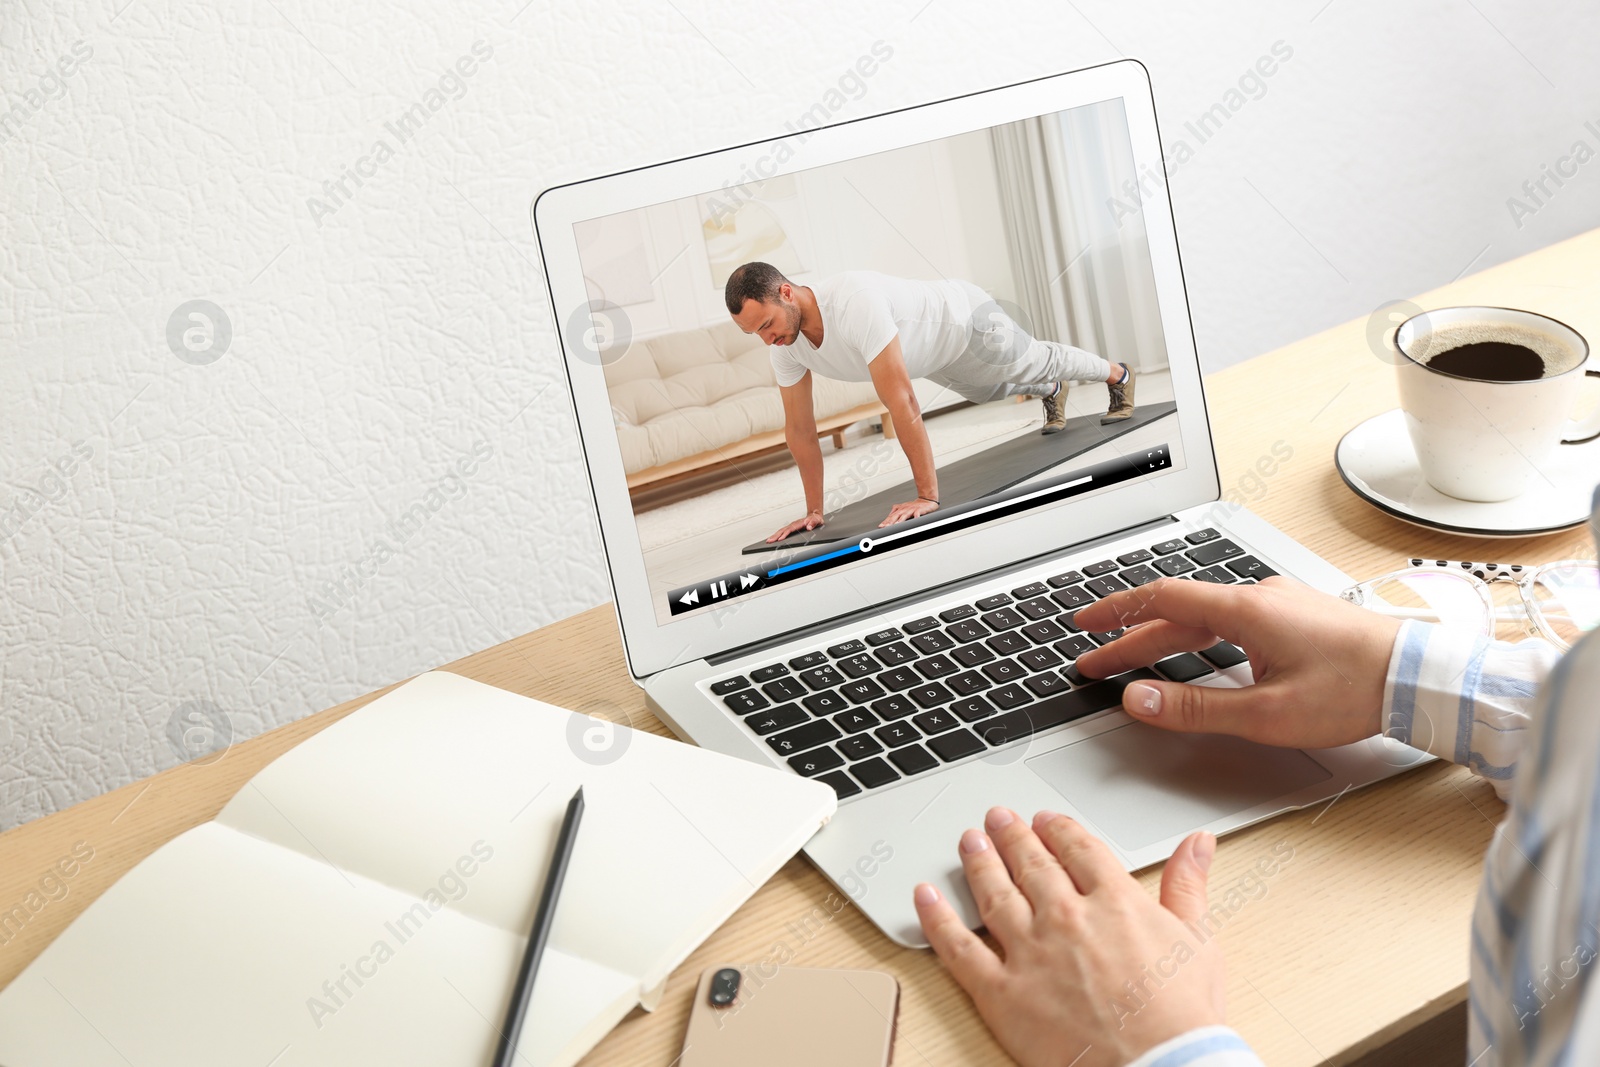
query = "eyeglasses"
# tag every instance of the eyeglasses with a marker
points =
(1559, 601)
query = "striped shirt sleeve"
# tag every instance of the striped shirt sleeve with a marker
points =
(1463, 697)
(1205, 1046)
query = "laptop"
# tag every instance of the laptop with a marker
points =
(923, 669)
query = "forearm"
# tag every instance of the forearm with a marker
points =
(913, 436)
(1463, 697)
(807, 453)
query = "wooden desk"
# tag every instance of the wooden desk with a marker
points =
(1354, 951)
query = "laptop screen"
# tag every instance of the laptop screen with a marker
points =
(811, 372)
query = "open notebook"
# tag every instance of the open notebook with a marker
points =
(367, 896)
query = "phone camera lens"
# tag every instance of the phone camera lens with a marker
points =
(724, 986)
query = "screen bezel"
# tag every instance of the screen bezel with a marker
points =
(653, 645)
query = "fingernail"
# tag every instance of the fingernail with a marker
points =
(1143, 700)
(973, 841)
(1204, 849)
(925, 894)
(998, 818)
(1046, 817)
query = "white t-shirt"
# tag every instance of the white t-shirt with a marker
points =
(862, 311)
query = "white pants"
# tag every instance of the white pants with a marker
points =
(1002, 359)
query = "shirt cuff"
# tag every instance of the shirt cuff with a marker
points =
(1206, 1046)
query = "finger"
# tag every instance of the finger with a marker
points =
(1087, 860)
(1004, 909)
(1142, 646)
(1183, 883)
(1223, 610)
(972, 963)
(1197, 709)
(1033, 867)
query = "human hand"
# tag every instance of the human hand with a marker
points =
(812, 520)
(1076, 929)
(913, 509)
(1319, 661)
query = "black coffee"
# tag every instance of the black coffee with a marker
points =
(1490, 361)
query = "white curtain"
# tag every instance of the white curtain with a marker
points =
(1081, 277)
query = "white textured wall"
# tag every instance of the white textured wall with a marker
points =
(171, 530)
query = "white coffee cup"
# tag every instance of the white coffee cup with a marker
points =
(1479, 438)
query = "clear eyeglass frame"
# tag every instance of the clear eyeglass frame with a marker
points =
(1558, 601)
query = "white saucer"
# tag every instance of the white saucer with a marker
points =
(1379, 464)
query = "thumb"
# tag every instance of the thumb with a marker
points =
(1195, 709)
(1183, 883)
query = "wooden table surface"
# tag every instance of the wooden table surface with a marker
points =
(1361, 937)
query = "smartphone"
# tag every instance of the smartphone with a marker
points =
(791, 1017)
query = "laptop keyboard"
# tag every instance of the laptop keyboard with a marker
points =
(865, 713)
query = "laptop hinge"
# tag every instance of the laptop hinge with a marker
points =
(838, 621)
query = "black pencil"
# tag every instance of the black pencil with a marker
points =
(543, 920)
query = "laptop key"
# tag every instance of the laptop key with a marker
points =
(1107, 637)
(1047, 684)
(1003, 619)
(821, 678)
(1184, 667)
(1058, 709)
(883, 637)
(767, 674)
(1214, 552)
(1038, 608)
(825, 703)
(931, 642)
(812, 764)
(1166, 548)
(874, 772)
(959, 745)
(1105, 585)
(746, 701)
(968, 682)
(960, 611)
(1006, 644)
(1010, 696)
(937, 666)
(859, 746)
(1043, 632)
(989, 603)
(1072, 597)
(1138, 555)
(1250, 567)
(895, 734)
(1224, 655)
(913, 760)
(814, 733)
(846, 648)
(1201, 536)
(1074, 646)
(1031, 590)
(972, 709)
(967, 630)
(972, 655)
(1060, 581)
(729, 685)
(895, 654)
(784, 689)
(937, 721)
(1105, 566)
(843, 785)
(1218, 574)
(930, 695)
(775, 719)
(1172, 566)
(899, 678)
(1005, 670)
(1143, 574)
(859, 665)
(809, 660)
(861, 692)
(916, 626)
(1038, 659)
(855, 720)
(895, 707)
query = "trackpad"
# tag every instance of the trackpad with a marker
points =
(1140, 784)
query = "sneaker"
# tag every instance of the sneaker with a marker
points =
(1055, 410)
(1121, 399)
